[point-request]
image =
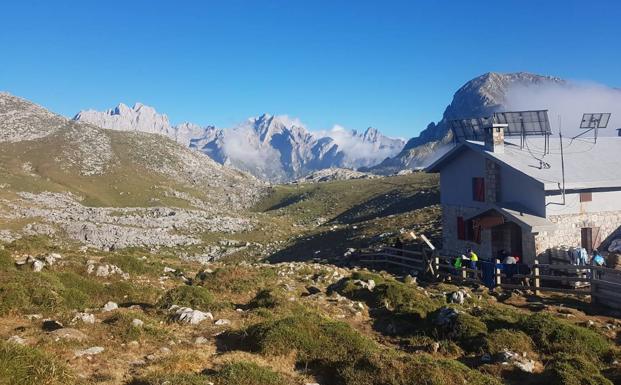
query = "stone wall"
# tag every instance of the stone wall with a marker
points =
(492, 181)
(568, 230)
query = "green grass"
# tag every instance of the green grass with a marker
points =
(239, 279)
(265, 298)
(120, 325)
(511, 340)
(317, 341)
(22, 365)
(195, 297)
(566, 369)
(552, 335)
(246, 373)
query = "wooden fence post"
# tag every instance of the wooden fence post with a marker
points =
(592, 281)
(536, 277)
(436, 262)
(497, 273)
(464, 273)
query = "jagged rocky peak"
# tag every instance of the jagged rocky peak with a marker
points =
(140, 117)
(487, 92)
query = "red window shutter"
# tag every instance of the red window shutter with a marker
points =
(461, 229)
(478, 189)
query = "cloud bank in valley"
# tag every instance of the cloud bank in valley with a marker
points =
(569, 101)
(358, 152)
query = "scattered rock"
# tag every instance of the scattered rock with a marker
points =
(86, 318)
(110, 306)
(89, 352)
(313, 290)
(222, 322)
(69, 334)
(518, 360)
(190, 316)
(16, 340)
(200, 341)
(37, 266)
(49, 325)
(137, 323)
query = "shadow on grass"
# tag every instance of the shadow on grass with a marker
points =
(391, 203)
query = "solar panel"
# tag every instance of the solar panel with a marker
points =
(519, 123)
(469, 129)
(595, 120)
(524, 123)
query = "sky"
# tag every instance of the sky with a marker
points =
(393, 65)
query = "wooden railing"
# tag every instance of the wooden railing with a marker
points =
(602, 284)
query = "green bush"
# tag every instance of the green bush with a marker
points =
(195, 297)
(22, 365)
(505, 339)
(316, 340)
(568, 369)
(246, 373)
(552, 335)
(167, 378)
(264, 299)
(395, 295)
(468, 331)
(393, 368)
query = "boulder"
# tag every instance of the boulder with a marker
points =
(89, 352)
(189, 315)
(86, 318)
(137, 323)
(70, 334)
(109, 306)
(16, 340)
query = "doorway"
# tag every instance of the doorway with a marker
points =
(507, 237)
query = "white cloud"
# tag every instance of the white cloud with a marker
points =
(568, 101)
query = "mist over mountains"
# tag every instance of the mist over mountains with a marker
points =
(279, 148)
(272, 147)
(492, 92)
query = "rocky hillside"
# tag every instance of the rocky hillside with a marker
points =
(480, 96)
(108, 188)
(274, 148)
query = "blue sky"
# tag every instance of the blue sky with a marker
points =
(393, 65)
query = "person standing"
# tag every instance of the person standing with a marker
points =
(473, 257)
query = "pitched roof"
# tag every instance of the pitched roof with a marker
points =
(515, 213)
(587, 164)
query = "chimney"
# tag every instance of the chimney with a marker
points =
(495, 138)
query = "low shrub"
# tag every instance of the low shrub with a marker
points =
(195, 297)
(317, 341)
(246, 373)
(168, 378)
(511, 340)
(566, 369)
(393, 368)
(264, 299)
(25, 365)
(552, 335)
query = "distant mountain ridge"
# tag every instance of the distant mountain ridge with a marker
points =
(274, 148)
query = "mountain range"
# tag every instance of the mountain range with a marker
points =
(273, 148)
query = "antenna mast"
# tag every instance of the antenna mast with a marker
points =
(560, 136)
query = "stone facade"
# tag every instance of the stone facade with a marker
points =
(568, 229)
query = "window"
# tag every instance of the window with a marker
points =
(586, 196)
(478, 189)
(461, 229)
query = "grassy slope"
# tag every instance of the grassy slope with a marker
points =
(126, 184)
(350, 213)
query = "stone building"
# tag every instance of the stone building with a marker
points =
(513, 195)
